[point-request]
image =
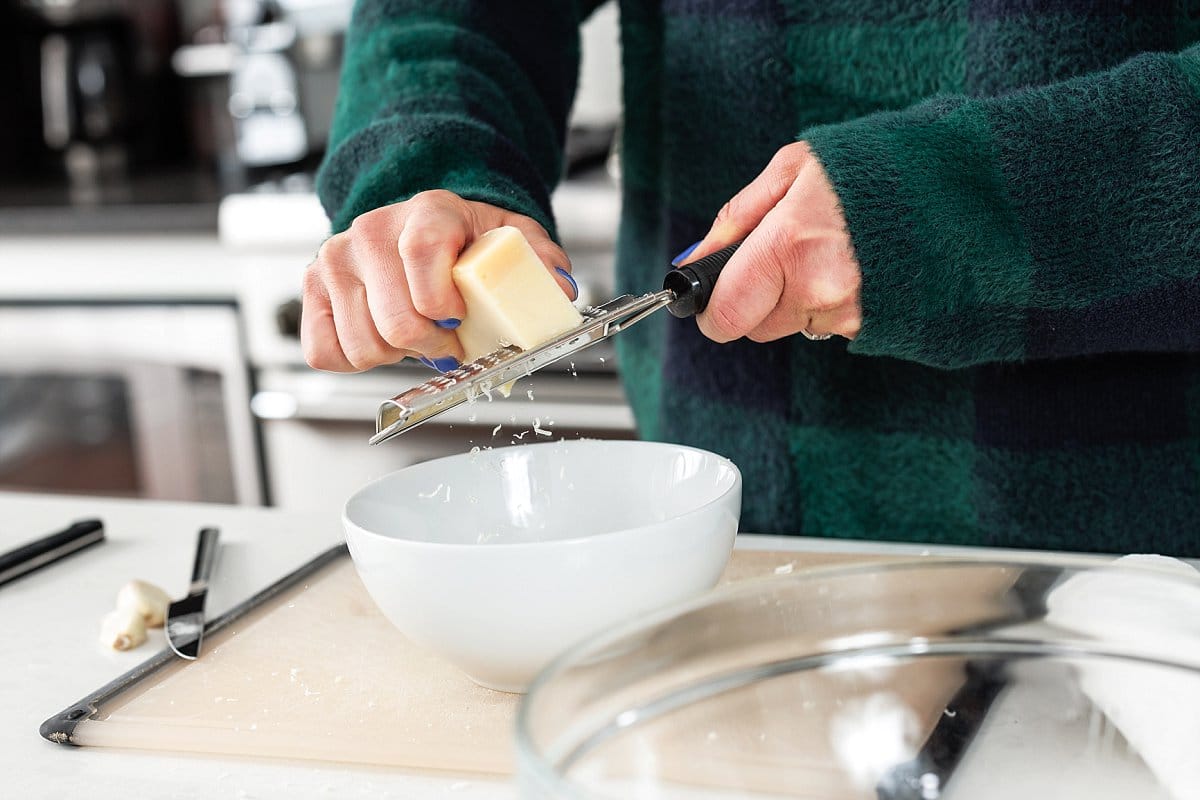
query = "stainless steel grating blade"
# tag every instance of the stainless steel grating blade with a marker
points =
(685, 292)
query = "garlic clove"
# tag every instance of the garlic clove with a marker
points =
(146, 599)
(122, 629)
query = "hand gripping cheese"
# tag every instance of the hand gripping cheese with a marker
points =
(510, 296)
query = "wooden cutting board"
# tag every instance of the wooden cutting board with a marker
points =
(319, 673)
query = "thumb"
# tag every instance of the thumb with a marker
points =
(746, 209)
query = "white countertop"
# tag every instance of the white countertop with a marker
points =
(50, 658)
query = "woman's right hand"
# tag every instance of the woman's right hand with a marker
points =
(382, 290)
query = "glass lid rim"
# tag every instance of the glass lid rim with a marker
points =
(1076, 563)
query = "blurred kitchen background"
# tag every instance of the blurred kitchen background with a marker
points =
(156, 216)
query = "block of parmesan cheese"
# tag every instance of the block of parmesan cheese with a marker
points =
(511, 298)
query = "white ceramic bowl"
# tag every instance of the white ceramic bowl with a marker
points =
(499, 560)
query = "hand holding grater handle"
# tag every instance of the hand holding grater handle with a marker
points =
(686, 291)
(692, 284)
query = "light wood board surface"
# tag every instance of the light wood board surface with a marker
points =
(319, 673)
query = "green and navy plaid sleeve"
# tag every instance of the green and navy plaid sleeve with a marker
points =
(469, 95)
(1050, 222)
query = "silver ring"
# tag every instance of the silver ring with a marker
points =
(815, 337)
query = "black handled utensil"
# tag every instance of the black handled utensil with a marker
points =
(49, 549)
(692, 284)
(686, 291)
(966, 712)
(185, 618)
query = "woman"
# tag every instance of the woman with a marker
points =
(992, 205)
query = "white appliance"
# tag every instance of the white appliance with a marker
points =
(145, 399)
(314, 426)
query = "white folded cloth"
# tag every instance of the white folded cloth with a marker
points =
(1147, 605)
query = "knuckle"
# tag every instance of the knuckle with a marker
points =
(820, 289)
(432, 198)
(760, 336)
(781, 246)
(317, 356)
(741, 209)
(322, 279)
(332, 251)
(534, 229)
(785, 165)
(428, 306)
(311, 284)
(725, 213)
(419, 243)
(794, 153)
(815, 294)
(365, 225)
(550, 253)
(818, 296)
(808, 297)
(798, 148)
(362, 356)
(730, 214)
(737, 206)
(779, 240)
(398, 329)
(726, 320)
(312, 356)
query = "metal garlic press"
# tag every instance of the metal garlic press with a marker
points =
(685, 292)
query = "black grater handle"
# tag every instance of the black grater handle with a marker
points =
(692, 284)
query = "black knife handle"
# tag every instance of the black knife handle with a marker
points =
(950, 738)
(206, 556)
(48, 549)
(692, 284)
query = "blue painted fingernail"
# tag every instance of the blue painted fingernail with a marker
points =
(677, 259)
(450, 323)
(426, 362)
(445, 364)
(570, 280)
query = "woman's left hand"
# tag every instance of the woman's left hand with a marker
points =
(795, 270)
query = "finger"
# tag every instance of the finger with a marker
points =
(747, 209)
(318, 336)
(787, 321)
(817, 296)
(398, 322)
(436, 229)
(845, 320)
(361, 343)
(751, 284)
(553, 256)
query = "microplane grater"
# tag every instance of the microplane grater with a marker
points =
(685, 292)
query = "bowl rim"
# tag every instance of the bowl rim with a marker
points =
(548, 777)
(573, 541)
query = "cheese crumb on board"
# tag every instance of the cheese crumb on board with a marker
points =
(510, 296)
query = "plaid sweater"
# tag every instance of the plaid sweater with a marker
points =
(1021, 181)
